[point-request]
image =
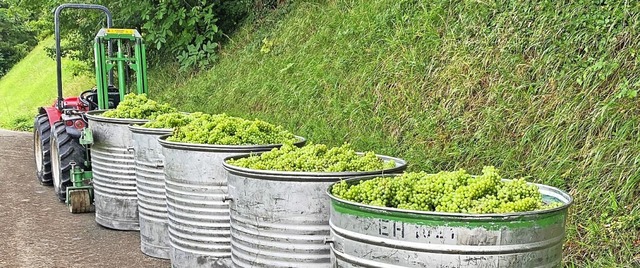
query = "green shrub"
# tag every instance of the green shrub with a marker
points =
(16, 39)
(22, 123)
(189, 31)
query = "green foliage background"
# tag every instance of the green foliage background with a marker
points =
(189, 31)
(16, 38)
(545, 90)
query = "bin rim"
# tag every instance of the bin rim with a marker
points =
(222, 148)
(137, 128)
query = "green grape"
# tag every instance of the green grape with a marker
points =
(138, 106)
(454, 192)
(377, 202)
(517, 189)
(340, 189)
(520, 205)
(314, 158)
(172, 120)
(551, 205)
(222, 129)
(487, 204)
(403, 188)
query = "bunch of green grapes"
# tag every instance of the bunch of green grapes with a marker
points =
(340, 189)
(403, 188)
(377, 191)
(221, 129)
(518, 196)
(138, 106)
(460, 200)
(517, 189)
(431, 189)
(454, 192)
(172, 120)
(314, 158)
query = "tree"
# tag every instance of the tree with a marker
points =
(16, 37)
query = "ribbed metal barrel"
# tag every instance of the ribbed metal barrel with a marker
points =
(370, 236)
(152, 205)
(196, 187)
(281, 219)
(114, 174)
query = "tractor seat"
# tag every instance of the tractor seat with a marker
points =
(91, 97)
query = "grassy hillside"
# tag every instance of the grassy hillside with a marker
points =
(541, 89)
(32, 83)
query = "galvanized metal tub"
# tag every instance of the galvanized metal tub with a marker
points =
(281, 219)
(152, 205)
(114, 175)
(371, 236)
(196, 187)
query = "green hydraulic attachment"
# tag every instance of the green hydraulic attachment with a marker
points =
(80, 195)
(86, 137)
(135, 61)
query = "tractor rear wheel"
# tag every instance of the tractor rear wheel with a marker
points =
(41, 147)
(64, 151)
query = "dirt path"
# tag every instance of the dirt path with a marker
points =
(36, 230)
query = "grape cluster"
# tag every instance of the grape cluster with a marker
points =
(221, 129)
(172, 120)
(455, 192)
(138, 107)
(314, 158)
(376, 191)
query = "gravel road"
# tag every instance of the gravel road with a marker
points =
(36, 230)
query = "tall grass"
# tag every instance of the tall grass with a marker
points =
(545, 90)
(31, 84)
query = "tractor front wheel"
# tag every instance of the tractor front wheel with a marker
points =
(41, 147)
(64, 151)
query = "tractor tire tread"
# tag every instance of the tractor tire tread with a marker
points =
(42, 126)
(69, 150)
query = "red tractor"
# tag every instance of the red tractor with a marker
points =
(61, 144)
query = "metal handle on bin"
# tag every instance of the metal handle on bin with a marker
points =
(226, 198)
(130, 149)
